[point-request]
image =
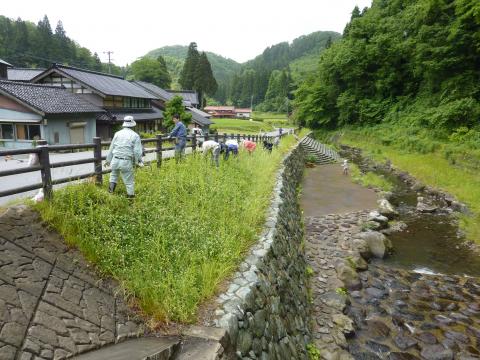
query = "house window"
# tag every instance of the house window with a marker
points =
(108, 101)
(6, 131)
(27, 131)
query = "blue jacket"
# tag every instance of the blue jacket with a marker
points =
(179, 131)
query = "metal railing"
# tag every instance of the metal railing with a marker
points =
(43, 150)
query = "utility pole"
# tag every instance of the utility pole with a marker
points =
(109, 60)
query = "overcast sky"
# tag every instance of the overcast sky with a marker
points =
(238, 30)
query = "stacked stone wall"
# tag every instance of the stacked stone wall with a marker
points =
(266, 308)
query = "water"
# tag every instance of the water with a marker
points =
(431, 243)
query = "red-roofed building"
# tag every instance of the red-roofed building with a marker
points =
(220, 111)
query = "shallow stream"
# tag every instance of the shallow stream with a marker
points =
(423, 301)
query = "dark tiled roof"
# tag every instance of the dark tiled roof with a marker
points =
(198, 117)
(5, 63)
(48, 99)
(104, 83)
(155, 90)
(19, 74)
(152, 114)
(187, 95)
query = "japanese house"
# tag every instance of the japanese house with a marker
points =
(37, 111)
(200, 119)
(117, 96)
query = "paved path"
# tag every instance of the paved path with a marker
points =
(327, 191)
(52, 305)
(334, 208)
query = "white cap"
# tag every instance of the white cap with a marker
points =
(128, 121)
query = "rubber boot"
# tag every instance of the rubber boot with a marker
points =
(111, 187)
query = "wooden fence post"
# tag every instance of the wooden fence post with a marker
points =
(238, 138)
(159, 150)
(194, 142)
(206, 137)
(97, 155)
(216, 137)
(44, 158)
(225, 137)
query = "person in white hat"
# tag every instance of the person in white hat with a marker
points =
(125, 151)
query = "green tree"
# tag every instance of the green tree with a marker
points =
(205, 83)
(188, 74)
(151, 70)
(402, 59)
(172, 107)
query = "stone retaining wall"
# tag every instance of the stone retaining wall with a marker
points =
(265, 309)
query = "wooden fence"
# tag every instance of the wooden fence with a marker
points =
(43, 150)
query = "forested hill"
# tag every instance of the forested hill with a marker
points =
(270, 77)
(25, 44)
(411, 61)
(223, 68)
(277, 68)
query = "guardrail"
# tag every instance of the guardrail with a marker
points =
(43, 150)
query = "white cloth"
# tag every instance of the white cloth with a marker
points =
(209, 145)
(231, 142)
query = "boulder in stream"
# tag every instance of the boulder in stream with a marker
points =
(425, 207)
(378, 244)
(386, 209)
(376, 216)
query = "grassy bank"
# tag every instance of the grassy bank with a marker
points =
(240, 126)
(187, 230)
(369, 179)
(434, 160)
(274, 119)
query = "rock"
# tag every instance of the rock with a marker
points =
(404, 342)
(443, 319)
(455, 335)
(401, 356)
(334, 300)
(348, 275)
(377, 347)
(378, 244)
(386, 209)
(418, 186)
(359, 263)
(361, 246)
(372, 225)
(376, 216)
(427, 338)
(378, 329)
(344, 323)
(436, 352)
(375, 293)
(396, 226)
(424, 207)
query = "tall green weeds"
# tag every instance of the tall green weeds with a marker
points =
(187, 230)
